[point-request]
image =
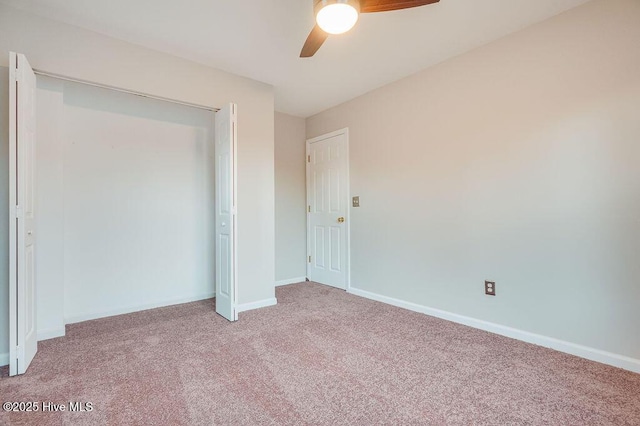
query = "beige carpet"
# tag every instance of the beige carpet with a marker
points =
(320, 357)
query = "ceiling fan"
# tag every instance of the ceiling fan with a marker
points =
(339, 16)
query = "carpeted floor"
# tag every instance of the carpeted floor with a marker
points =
(320, 357)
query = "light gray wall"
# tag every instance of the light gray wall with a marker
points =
(291, 217)
(517, 162)
(67, 50)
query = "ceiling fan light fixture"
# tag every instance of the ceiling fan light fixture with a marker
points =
(337, 16)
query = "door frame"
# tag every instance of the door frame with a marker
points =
(347, 198)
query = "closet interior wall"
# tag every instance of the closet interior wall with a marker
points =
(125, 203)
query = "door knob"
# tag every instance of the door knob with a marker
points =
(341, 220)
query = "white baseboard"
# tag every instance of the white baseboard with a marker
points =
(51, 333)
(4, 359)
(256, 305)
(592, 354)
(72, 319)
(290, 281)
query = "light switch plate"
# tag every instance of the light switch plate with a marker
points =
(356, 201)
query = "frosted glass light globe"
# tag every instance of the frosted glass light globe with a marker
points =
(337, 18)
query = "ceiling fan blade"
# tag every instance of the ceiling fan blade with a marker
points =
(313, 43)
(370, 6)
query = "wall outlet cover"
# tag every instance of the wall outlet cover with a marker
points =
(490, 288)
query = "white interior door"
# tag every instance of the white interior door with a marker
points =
(23, 343)
(327, 211)
(225, 206)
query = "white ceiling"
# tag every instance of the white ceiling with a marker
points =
(261, 39)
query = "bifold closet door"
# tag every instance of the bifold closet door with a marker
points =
(23, 343)
(225, 207)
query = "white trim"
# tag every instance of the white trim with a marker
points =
(118, 89)
(290, 281)
(328, 135)
(344, 132)
(234, 146)
(307, 162)
(592, 354)
(256, 305)
(91, 316)
(4, 359)
(51, 333)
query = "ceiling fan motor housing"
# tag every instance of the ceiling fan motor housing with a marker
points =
(319, 4)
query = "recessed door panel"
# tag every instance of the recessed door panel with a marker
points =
(336, 249)
(319, 247)
(225, 266)
(224, 175)
(318, 193)
(334, 151)
(334, 190)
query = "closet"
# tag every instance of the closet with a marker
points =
(131, 195)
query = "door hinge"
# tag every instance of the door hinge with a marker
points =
(309, 259)
(309, 209)
(18, 212)
(308, 158)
